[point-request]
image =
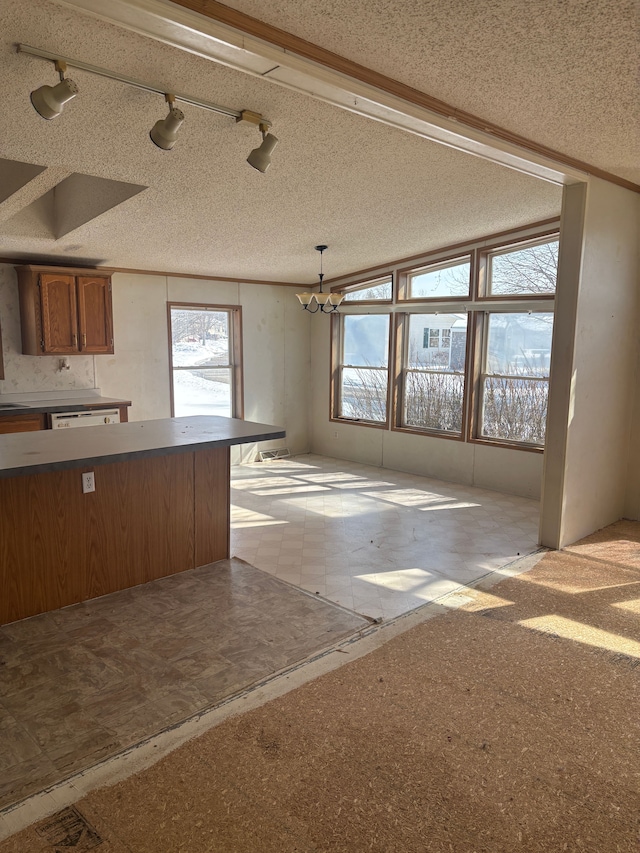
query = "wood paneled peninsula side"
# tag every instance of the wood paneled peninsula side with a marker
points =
(160, 506)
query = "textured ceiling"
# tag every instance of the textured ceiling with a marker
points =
(371, 192)
(563, 73)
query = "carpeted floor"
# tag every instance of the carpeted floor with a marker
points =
(508, 724)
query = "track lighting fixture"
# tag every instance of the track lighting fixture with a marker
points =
(327, 303)
(260, 157)
(49, 101)
(165, 131)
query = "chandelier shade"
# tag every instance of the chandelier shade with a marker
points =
(326, 303)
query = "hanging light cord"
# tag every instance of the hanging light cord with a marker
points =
(321, 274)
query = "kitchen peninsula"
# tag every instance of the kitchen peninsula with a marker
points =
(160, 506)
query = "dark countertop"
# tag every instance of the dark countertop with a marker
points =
(55, 450)
(71, 404)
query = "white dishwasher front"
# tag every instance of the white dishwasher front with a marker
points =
(92, 417)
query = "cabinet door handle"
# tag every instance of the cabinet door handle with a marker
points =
(75, 340)
(84, 339)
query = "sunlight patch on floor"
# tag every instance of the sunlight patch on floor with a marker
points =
(633, 605)
(296, 488)
(418, 582)
(417, 499)
(570, 630)
(245, 518)
(476, 601)
(573, 588)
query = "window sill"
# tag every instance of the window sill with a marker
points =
(507, 445)
(363, 423)
(431, 433)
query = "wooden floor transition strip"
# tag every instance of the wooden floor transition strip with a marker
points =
(504, 725)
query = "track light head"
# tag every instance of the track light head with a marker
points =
(165, 131)
(260, 157)
(49, 101)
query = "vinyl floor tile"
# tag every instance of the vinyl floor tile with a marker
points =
(27, 777)
(19, 746)
(88, 681)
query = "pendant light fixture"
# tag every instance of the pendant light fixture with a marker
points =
(327, 303)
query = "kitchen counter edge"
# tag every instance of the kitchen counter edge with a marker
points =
(38, 452)
(75, 404)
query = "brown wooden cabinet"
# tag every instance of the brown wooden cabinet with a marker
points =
(65, 311)
(21, 423)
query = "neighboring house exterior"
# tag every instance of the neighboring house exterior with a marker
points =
(439, 341)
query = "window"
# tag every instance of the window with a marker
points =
(378, 290)
(477, 371)
(448, 279)
(515, 377)
(363, 368)
(528, 270)
(436, 338)
(206, 362)
(433, 378)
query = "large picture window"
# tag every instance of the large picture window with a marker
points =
(363, 368)
(471, 348)
(433, 371)
(515, 377)
(206, 360)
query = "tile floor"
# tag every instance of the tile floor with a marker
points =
(83, 683)
(375, 541)
(86, 682)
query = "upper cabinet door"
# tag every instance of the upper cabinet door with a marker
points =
(59, 313)
(95, 314)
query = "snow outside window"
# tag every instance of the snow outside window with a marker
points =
(203, 372)
(364, 373)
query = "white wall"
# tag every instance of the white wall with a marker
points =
(275, 337)
(139, 368)
(516, 472)
(632, 496)
(275, 350)
(588, 479)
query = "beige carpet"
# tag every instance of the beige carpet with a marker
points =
(510, 724)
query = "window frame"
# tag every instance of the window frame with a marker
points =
(337, 365)
(442, 262)
(484, 265)
(476, 305)
(364, 284)
(476, 437)
(235, 351)
(401, 368)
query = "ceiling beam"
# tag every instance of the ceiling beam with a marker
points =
(210, 29)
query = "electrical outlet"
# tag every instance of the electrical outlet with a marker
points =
(88, 482)
(335, 434)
